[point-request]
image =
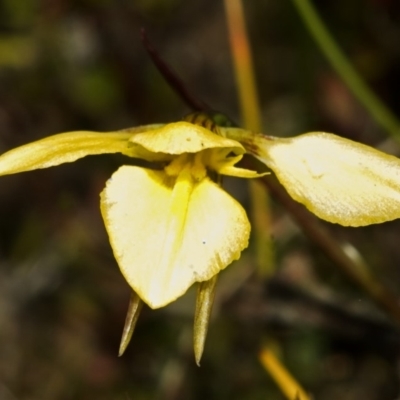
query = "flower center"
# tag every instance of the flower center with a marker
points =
(192, 163)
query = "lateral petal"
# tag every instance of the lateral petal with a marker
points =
(337, 179)
(68, 147)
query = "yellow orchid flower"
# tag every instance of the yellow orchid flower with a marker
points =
(173, 225)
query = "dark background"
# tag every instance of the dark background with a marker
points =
(80, 65)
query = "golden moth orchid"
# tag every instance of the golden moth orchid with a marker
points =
(178, 208)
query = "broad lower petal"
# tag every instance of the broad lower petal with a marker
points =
(163, 246)
(339, 180)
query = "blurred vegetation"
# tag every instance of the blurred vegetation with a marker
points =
(69, 65)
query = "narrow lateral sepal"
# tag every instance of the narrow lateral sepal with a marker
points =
(132, 316)
(204, 303)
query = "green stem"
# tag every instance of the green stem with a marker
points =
(345, 69)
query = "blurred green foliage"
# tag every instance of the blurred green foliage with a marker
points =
(68, 65)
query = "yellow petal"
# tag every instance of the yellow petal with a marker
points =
(167, 234)
(184, 137)
(67, 147)
(337, 179)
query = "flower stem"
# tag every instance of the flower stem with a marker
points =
(246, 84)
(243, 65)
(291, 389)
